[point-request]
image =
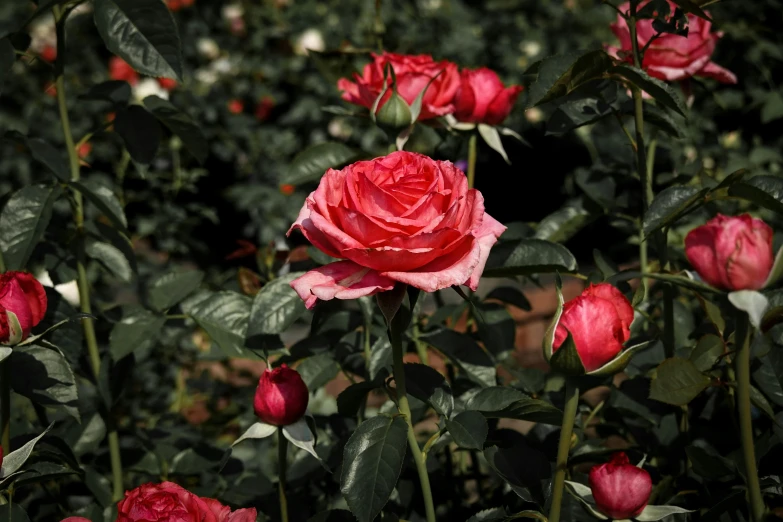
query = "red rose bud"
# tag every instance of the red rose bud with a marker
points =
(599, 322)
(287, 189)
(482, 97)
(281, 397)
(264, 108)
(119, 69)
(672, 57)
(732, 253)
(167, 83)
(49, 53)
(413, 73)
(236, 106)
(23, 295)
(620, 489)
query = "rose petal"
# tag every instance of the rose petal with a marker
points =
(486, 236)
(452, 269)
(340, 280)
(715, 71)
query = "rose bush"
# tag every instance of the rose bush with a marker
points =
(400, 218)
(670, 56)
(731, 252)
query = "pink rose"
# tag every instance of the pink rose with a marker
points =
(413, 73)
(482, 97)
(224, 514)
(164, 502)
(23, 295)
(599, 322)
(732, 253)
(672, 57)
(620, 489)
(281, 397)
(400, 218)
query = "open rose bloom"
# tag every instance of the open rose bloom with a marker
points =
(400, 218)
(413, 74)
(672, 57)
(482, 97)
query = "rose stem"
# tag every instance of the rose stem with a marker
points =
(566, 430)
(472, 160)
(282, 456)
(402, 401)
(83, 283)
(645, 175)
(742, 362)
(5, 403)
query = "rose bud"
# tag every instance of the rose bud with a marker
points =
(23, 295)
(281, 397)
(482, 97)
(671, 57)
(620, 489)
(731, 253)
(49, 53)
(599, 322)
(236, 106)
(119, 69)
(167, 83)
(413, 73)
(400, 218)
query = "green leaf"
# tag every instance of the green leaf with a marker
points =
(707, 352)
(16, 459)
(180, 124)
(223, 315)
(351, 399)
(258, 430)
(276, 307)
(111, 258)
(116, 92)
(660, 90)
(671, 204)
(395, 114)
(691, 7)
(469, 429)
(13, 513)
(502, 402)
(380, 356)
(372, 462)
(677, 382)
(491, 137)
(764, 191)
(299, 435)
(45, 377)
(708, 463)
(564, 223)
(428, 385)
(5, 351)
(143, 33)
(510, 295)
(168, 289)
(549, 334)
(751, 302)
(620, 361)
(50, 157)
(310, 164)
(140, 131)
(466, 354)
(103, 197)
(565, 359)
(318, 370)
(529, 256)
(560, 75)
(652, 513)
(23, 222)
(136, 331)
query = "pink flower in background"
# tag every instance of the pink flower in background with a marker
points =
(482, 97)
(399, 218)
(672, 57)
(620, 489)
(731, 252)
(22, 294)
(413, 73)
